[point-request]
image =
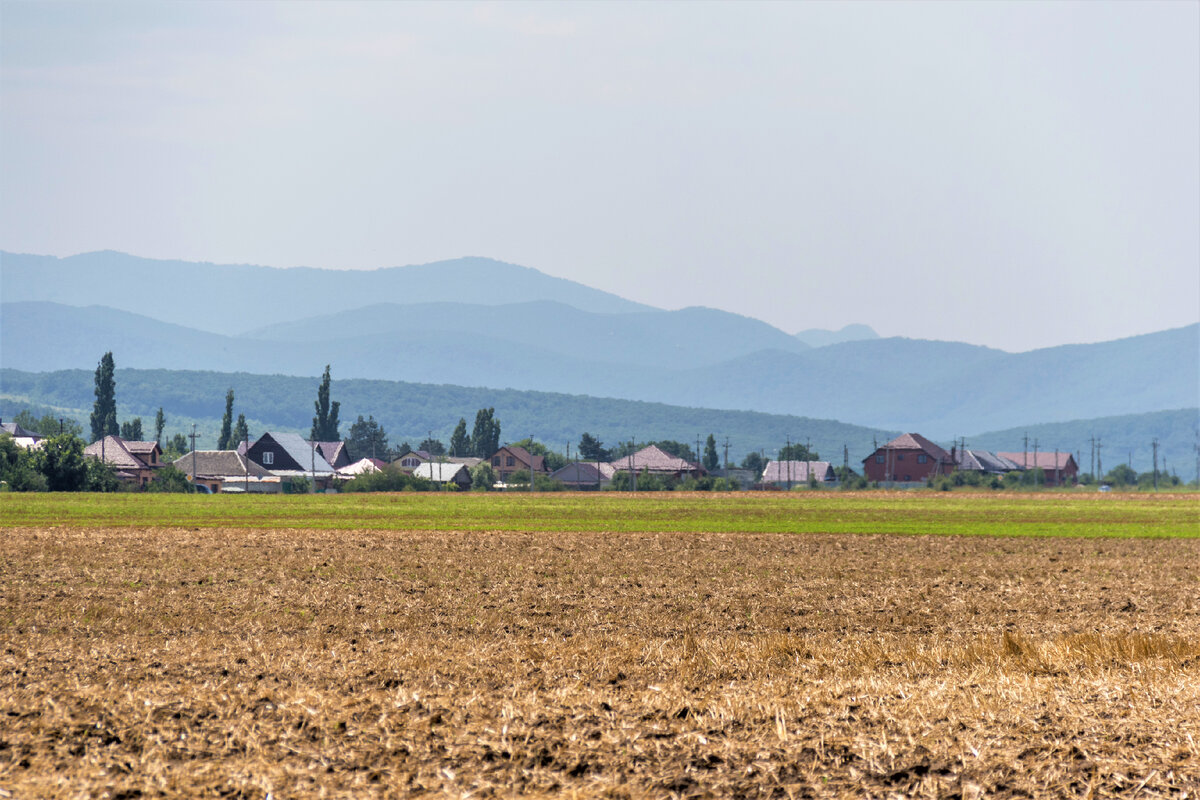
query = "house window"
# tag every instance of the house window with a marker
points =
(508, 462)
(268, 459)
(899, 456)
(879, 458)
(922, 458)
(496, 461)
(907, 478)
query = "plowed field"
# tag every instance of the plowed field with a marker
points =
(293, 663)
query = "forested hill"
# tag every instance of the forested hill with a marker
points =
(410, 411)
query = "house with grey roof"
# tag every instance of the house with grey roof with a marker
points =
(291, 457)
(584, 475)
(443, 472)
(228, 471)
(787, 474)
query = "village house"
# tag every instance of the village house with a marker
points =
(511, 459)
(291, 457)
(654, 460)
(412, 459)
(227, 471)
(334, 452)
(909, 458)
(442, 472)
(584, 475)
(1058, 468)
(786, 474)
(983, 462)
(135, 462)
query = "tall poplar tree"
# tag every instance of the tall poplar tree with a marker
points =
(485, 437)
(325, 423)
(104, 411)
(460, 443)
(711, 461)
(160, 422)
(241, 432)
(226, 423)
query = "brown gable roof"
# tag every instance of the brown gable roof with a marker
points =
(652, 458)
(915, 441)
(112, 450)
(522, 455)
(220, 463)
(1039, 460)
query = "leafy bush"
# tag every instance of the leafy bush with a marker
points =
(169, 479)
(389, 479)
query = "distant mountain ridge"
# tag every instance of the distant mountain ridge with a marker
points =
(939, 388)
(819, 337)
(232, 298)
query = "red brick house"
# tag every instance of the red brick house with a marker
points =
(910, 458)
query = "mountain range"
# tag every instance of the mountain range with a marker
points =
(482, 323)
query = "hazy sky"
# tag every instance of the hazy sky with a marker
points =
(1013, 174)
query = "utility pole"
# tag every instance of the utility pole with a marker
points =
(788, 452)
(1099, 462)
(193, 437)
(60, 426)
(312, 454)
(246, 465)
(632, 471)
(1026, 464)
(845, 457)
(726, 453)
(1093, 461)
(1035, 463)
(531, 480)
(1154, 445)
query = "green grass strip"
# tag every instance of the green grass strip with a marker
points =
(1046, 514)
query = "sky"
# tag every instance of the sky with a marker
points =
(1010, 174)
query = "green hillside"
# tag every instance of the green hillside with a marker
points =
(409, 411)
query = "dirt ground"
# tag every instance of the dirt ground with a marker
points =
(250, 663)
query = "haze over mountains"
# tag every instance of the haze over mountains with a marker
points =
(482, 323)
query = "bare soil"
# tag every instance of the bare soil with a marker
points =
(255, 663)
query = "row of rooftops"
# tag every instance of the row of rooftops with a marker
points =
(979, 460)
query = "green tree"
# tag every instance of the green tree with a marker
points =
(677, 449)
(325, 423)
(241, 432)
(176, 447)
(160, 422)
(483, 477)
(433, 446)
(485, 437)
(48, 424)
(592, 449)
(101, 477)
(223, 441)
(60, 459)
(367, 439)
(797, 452)
(170, 479)
(104, 410)
(1121, 475)
(18, 473)
(132, 431)
(460, 443)
(711, 461)
(754, 462)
